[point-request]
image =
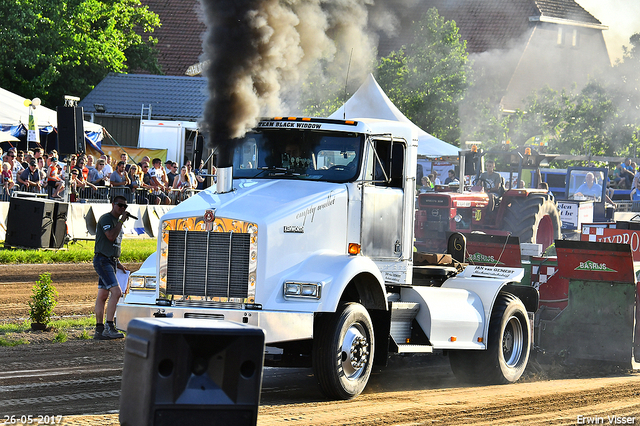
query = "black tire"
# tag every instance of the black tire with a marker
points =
(508, 347)
(343, 352)
(533, 219)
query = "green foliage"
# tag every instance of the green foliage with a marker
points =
(13, 327)
(321, 96)
(53, 48)
(43, 300)
(62, 328)
(427, 79)
(133, 250)
(8, 341)
(61, 337)
(601, 119)
(72, 323)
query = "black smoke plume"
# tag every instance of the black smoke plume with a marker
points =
(259, 52)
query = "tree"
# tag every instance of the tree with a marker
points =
(427, 79)
(601, 119)
(53, 48)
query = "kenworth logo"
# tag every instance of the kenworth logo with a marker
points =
(483, 258)
(590, 265)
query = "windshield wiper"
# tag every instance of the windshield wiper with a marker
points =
(277, 171)
(286, 172)
(273, 168)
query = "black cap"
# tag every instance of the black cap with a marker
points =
(33, 163)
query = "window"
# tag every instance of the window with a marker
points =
(560, 39)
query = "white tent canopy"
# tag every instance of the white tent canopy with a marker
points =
(370, 101)
(13, 112)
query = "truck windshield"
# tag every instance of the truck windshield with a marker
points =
(298, 154)
(586, 185)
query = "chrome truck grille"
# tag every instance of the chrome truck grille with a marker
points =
(210, 264)
(209, 259)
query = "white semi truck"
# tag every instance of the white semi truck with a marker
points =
(309, 235)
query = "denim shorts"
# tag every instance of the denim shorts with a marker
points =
(106, 269)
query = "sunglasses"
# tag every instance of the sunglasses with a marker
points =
(123, 205)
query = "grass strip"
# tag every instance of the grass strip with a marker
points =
(80, 251)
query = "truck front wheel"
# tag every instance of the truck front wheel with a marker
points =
(343, 351)
(508, 347)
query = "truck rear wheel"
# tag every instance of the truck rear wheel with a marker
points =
(343, 352)
(508, 347)
(534, 219)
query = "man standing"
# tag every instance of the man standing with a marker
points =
(159, 181)
(125, 158)
(119, 177)
(173, 172)
(451, 177)
(107, 165)
(30, 178)
(105, 262)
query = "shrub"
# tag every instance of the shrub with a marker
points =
(61, 337)
(43, 300)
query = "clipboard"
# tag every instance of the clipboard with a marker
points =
(123, 279)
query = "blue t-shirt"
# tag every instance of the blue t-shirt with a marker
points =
(594, 191)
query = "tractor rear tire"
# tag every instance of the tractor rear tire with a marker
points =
(508, 347)
(343, 351)
(533, 219)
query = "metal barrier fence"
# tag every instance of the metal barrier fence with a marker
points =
(103, 194)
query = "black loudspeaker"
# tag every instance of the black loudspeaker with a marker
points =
(70, 130)
(59, 230)
(199, 149)
(29, 222)
(191, 371)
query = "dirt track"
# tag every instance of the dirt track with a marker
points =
(83, 377)
(76, 284)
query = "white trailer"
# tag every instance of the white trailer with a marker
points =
(170, 135)
(309, 235)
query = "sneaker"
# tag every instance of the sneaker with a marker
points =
(97, 335)
(111, 333)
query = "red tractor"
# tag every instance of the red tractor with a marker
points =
(530, 214)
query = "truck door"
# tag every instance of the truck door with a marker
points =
(382, 199)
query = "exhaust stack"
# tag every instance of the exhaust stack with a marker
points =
(225, 180)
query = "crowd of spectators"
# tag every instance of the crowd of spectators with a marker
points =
(97, 179)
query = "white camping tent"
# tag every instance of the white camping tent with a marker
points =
(370, 101)
(13, 112)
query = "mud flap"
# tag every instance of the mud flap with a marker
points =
(597, 324)
(636, 335)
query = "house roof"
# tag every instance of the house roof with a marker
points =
(180, 36)
(488, 25)
(565, 9)
(170, 97)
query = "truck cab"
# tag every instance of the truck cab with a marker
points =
(309, 235)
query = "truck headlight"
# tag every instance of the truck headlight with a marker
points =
(302, 290)
(142, 283)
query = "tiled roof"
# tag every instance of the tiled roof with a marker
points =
(565, 9)
(488, 24)
(180, 36)
(170, 97)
